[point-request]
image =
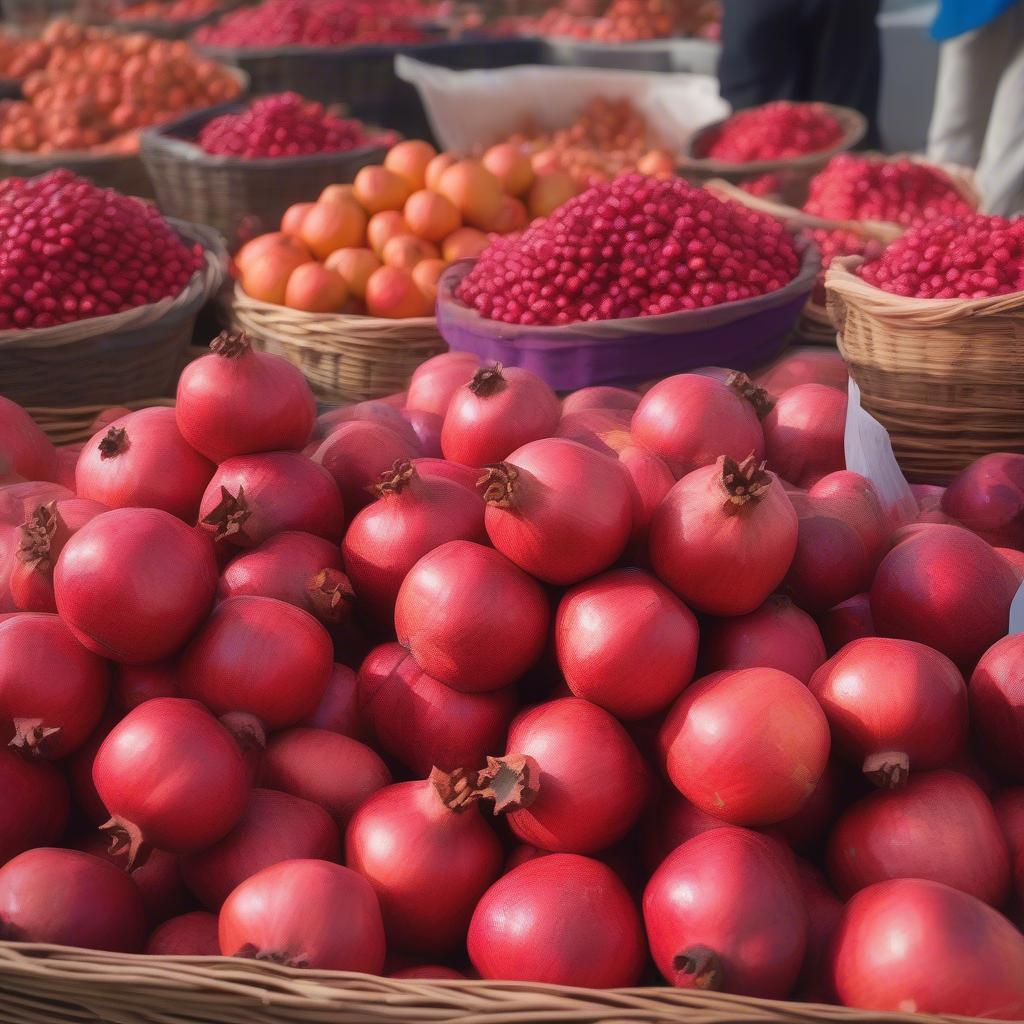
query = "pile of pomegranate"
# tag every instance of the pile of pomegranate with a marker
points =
(626, 21)
(87, 88)
(70, 251)
(774, 131)
(472, 681)
(379, 245)
(897, 191)
(638, 246)
(285, 124)
(317, 23)
(972, 256)
(608, 137)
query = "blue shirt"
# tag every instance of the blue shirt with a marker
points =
(958, 16)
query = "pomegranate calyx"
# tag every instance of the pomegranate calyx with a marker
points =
(744, 481)
(487, 381)
(246, 728)
(762, 402)
(230, 344)
(331, 595)
(113, 443)
(698, 967)
(499, 484)
(230, 515)
(32, 737)
(272, 956)
(393, 480)
(888, 769)
(37, 534)
(512, 782)
(457, 789)
(126, 838)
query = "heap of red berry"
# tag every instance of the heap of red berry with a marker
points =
(637, 246)
(968, 257)
(775, 131)
(284, 125)
(70, 251)
(317, 23)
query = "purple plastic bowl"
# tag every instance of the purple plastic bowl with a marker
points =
(740, 335)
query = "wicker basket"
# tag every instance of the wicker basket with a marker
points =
(794, 172)
(344, 357)
(238, 197)
(815, 327)
(50, 984)
(110, 359)
(945, 377)
(73, 424)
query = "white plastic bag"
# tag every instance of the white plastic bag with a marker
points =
(470, 109)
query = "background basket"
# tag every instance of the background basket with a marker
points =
(363, 77)
(794, 172)
(344, 357)
(945, 377)
(111, 359)
(230, 193)
(73, 424)
(741, 335)
(46, 984)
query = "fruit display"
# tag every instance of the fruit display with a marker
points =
(89, 88)
(73, 251)
(318, 23)
(477, 681)
(626, 21)
(608, 137)
(176, 10)
(637, 247)
(378, 246)
(285, 125)
(774, 131)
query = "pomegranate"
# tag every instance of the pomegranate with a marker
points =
(997, 715)
(848, 621)
(192, 934)
(434, 382)
(24, 449)
(34, 810)
(988, 498)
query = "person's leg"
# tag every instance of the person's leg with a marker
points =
(1001, 170)
(970, 66)
(760, 58)
(847, 57)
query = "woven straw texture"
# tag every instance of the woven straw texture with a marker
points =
(794, 172)
(55, 985)
(73, 424)
(344, 357)
(111, 359)
(815, 327)
(240, 198)
(945, 377)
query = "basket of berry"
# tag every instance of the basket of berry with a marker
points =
(933, 331)
(772, 150)
(856, 205)
(89, 91)
(240, 169)
(107, 314)
(620, 285)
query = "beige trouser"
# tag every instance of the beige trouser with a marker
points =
(978, 120)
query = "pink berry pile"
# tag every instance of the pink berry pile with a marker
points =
(638, 246)
(775, 131)
(317, 23)
(969, 257)
(70, 251)
(284, 125)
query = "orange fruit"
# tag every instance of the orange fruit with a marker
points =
(315, 289)
(409, 159)
(379, 189)
(392, 293)
(437, 167)
(355, 266)
(466, 243)
(340, 224)
(291, 222)
(511, 166)
(385, 225)
(405, 251)
(426, 275)
(548, 192)
(431, 215)
(474, 191)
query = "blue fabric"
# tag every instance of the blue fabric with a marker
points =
(956, 17)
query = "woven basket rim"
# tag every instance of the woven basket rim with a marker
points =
(203, 284)
(92, 158)
(844, 284)
(854, 125)
(396, 1000)
(301, 319)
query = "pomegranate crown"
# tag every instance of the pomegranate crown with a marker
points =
(230, 344)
